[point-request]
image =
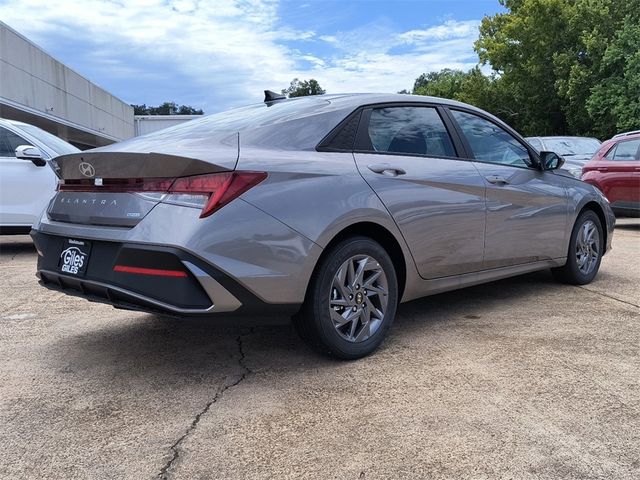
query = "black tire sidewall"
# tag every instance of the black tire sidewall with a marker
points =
(329, 339)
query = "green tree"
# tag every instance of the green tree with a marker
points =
(472, 87)
(445, 83)
(615, 99)
(567, 66)
(166, 108)
(301, 88)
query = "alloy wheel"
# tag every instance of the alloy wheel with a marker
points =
(358, 298)
(587, 247)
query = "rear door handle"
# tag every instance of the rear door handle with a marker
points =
(386, 169)
(497, 179)
(603, 169)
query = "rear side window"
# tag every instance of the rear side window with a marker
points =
(9, 141)
(409, 130)
(628, 151)
(490, 143)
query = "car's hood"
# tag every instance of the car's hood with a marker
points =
(576, 159)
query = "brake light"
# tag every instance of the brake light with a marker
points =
(116, 185)
(210, 192)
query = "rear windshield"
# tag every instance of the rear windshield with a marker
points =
(252, 116)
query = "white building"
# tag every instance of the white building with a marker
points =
(150, 123)
(35, 88)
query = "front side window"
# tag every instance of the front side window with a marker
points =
(9, 141)
(628, 151)
(409, 130)
(490, 143)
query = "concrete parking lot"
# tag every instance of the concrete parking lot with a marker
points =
(523, 378)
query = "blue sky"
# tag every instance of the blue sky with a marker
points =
(216, 54)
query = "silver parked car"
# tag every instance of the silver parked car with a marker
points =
(331, 209)
(576, 151)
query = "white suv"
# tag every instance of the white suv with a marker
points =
(27, 182)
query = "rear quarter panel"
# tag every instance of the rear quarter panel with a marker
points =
(319, 194)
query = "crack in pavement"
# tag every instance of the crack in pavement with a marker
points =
(608, 296)
(175, 448)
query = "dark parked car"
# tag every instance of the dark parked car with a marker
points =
(615, 170)
(330, 208)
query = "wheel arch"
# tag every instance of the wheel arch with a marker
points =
(378, 233)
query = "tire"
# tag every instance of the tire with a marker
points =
(574, 271)
(328, 304)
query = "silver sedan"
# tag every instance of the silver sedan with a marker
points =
(329, 209)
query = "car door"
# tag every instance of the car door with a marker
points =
(25, 189)
(619, 174)
(526, 207)
(409, 158)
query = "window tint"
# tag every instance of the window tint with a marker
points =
(490, 143)
(410, 130)
(9, 141)
(626, 151)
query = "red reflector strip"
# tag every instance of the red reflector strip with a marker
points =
(149, 271)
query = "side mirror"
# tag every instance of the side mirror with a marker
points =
(29, 152)
(550, 161)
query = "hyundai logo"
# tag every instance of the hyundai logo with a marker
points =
(87, 169)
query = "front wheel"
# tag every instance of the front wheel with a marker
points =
(351, 301)
(586, 248)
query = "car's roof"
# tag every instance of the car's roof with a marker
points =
(624, 137)
(344, 100)
(558, 137)
(627, 134)
(15, 123)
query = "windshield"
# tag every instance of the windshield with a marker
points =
(568, 146)
(54, 143)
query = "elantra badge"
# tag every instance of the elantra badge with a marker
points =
(87, 169)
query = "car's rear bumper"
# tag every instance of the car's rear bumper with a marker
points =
(201, 290)
(259, 253)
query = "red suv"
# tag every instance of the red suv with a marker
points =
(615, 170)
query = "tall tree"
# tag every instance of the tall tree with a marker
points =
(166, 108)
(569, 65)
(301, 88)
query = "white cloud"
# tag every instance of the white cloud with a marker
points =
(238, 47)
(449, 29)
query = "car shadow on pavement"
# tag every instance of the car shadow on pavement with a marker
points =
(170, 351)
(10, 247)
(634, 227)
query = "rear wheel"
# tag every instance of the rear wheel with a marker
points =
(585, 251)
(351, 301)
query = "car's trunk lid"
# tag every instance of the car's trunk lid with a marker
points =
(119, 186)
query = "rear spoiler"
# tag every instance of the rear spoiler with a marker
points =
(115, 164)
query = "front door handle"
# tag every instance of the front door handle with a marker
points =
(603, 169)
(497, 179)
(386, 169)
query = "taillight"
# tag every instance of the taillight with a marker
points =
(217, 190)
(209, 192)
